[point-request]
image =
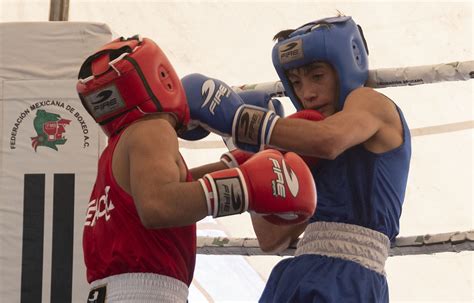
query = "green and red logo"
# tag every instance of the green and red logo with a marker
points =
(50, 128)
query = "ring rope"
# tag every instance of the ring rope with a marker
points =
(442, 128)
(403, 246)
(379, 78)
(415, 132)
(392, 77)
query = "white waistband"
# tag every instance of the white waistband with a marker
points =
(142, 287)
(365, 246)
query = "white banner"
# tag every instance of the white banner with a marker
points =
(49, 153)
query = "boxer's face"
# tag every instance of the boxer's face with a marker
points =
(316, 87)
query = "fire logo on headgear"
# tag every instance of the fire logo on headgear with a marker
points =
(50, 129)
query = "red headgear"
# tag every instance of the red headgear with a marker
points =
(128, 79)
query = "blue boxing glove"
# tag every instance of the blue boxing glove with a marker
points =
(211, 103)
(262, 99)
(219, 109)
(193, 132)
(253, 127)
(253, 97)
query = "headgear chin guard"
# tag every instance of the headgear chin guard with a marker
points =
(128, 79)
(338, 41)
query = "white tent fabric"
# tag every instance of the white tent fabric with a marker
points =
(232, 41)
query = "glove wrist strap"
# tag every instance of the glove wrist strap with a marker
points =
(229, 160)
(226, 192)
(206, 187)
(252, 127)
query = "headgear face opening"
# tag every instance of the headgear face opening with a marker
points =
(128, 79)
(337, 41)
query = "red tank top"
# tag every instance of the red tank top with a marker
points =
(115, 241)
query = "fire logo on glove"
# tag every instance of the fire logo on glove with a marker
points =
(285, 174)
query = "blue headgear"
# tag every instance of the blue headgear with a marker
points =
(337, 40)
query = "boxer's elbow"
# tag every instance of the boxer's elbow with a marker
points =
(153, 221)
(330, 147)
(154, 217)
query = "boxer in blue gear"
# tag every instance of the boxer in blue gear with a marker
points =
(364, 151)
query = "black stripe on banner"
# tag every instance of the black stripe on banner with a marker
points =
(63, 238)
(33, 232)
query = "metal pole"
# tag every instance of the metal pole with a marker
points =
(59, 10)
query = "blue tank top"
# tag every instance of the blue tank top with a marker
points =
(363, 188)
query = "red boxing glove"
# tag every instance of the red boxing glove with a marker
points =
(279, 187)
(307, 114)
(313, 115)
(235, 158)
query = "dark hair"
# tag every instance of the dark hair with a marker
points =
(282, 35)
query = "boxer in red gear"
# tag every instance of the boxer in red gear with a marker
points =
(139, 238)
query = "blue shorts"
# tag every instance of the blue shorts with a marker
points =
(321, 279)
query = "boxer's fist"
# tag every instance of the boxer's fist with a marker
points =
(307, 114)
(219, 109)
(193, 132)
(262, 99)
(281, 188)
(211, 102)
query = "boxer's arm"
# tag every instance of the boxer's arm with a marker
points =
(366, 117)
(200, 171)
(275, 238)
(229, 159)
(161, 198)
